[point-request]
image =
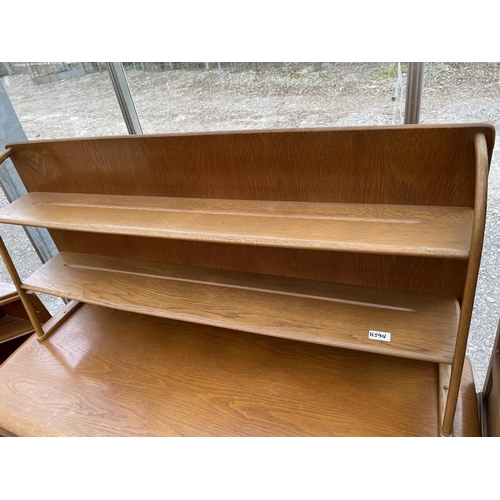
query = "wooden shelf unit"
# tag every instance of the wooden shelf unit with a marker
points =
(327, 236)
(381, 229)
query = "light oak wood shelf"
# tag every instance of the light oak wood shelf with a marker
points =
(8, 293)
(230, 281)
(12, 327)
(111, 373)
(421, 326)
(426, 231)
(14, 320)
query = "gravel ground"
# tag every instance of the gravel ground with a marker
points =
(294, 95)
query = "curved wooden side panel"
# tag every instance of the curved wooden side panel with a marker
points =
(481, 188)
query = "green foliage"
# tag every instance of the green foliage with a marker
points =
(291, 74)
(391, 72)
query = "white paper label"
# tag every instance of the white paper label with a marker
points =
(382, 336)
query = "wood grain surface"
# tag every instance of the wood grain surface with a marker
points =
(403, 165)
(409, 165)
(108, 372)
(12, 327)
(466, 422)
(381, 229)
(383, 207)
(14, 321)
(16, 308)
(8, 293)
(438, 276)
(421, 326)
(15, 327)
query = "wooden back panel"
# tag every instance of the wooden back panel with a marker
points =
(417, 274)
(411, 165)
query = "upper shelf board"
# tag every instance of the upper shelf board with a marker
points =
(364, 228)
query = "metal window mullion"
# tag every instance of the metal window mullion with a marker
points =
(414, 92)
(122, 91)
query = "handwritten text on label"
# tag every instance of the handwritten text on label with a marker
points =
(383, 336)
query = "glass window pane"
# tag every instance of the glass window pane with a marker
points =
(186, 97)
(56, 100)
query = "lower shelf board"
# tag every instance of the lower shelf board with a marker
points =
(8, 293)
(106, 372)
(12, 327)
(421, 326)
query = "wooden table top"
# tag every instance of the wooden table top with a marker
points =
(106, 372)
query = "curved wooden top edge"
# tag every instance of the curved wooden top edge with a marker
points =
(5, 154)
(487, 128)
